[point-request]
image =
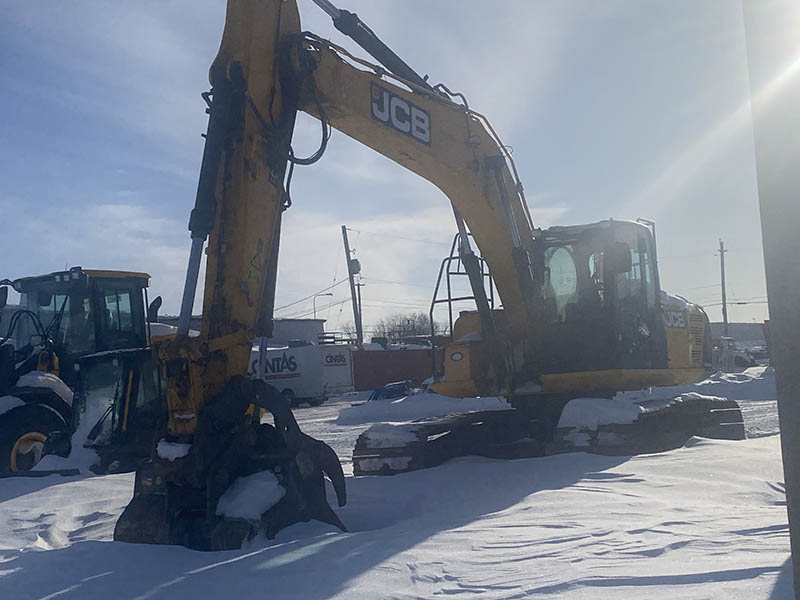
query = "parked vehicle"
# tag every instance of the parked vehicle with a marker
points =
(81, 356)
(295, 370)
(390, 391)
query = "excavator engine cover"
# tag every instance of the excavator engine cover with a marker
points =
(176, 501)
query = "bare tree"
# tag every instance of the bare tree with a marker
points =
(400, 326)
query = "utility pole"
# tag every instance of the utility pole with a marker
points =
(722, 252)
(353, 269)
(771, 38)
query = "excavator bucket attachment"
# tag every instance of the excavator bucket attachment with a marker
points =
(176, 500)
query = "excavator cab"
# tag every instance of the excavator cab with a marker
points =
(604, 324)
(601, 299)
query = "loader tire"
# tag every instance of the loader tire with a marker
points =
(23, 434)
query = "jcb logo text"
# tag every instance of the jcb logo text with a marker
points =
(400, 115)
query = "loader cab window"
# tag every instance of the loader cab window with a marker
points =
(118, 315)
(119, 322)
(75, 333)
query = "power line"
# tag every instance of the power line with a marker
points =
(399, 237)
(699, 287)
(685, 256)
(408, 283)
(739, 302)
(311, 312)
(330, 287)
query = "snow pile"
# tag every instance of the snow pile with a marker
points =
(706, 521)
(386, 435)
(172, 450)
(588, 413)
(417, 406)
(81, 457)
(8, 403)
(756, 383)
(40, 379)
(250, 497)
(48, 513)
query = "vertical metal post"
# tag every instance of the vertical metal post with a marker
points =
(354, 298)
(360, 311)
(722, 252)
(190, 286)
(773, 57)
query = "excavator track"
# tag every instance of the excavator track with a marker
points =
(526, 432)
(387, 449)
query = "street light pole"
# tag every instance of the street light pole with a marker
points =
(314, 301)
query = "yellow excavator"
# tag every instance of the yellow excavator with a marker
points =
(581, 310)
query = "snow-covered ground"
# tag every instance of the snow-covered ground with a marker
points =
(705, 521)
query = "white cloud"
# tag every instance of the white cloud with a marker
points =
(114, 236)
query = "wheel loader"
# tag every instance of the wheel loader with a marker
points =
(582, 310)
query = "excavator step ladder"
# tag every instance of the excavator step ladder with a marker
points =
(452, 270)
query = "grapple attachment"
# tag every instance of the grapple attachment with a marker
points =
(176, 501)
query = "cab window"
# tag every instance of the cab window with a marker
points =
(563, 281)
(75, 332)
(639, 282)
(118, 311)
(121, 325)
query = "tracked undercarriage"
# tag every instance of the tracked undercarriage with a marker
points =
(532, 430)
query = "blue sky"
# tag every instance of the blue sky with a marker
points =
(623, 109)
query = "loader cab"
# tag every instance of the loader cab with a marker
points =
(83, 312)
(87, 328)
(601, 297)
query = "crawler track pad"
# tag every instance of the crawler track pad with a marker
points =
(389, 449)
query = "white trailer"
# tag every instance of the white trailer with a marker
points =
(337, 369)
(296, 370)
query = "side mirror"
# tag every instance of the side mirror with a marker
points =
(3, 296)
(617, 258)
(152, 310)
